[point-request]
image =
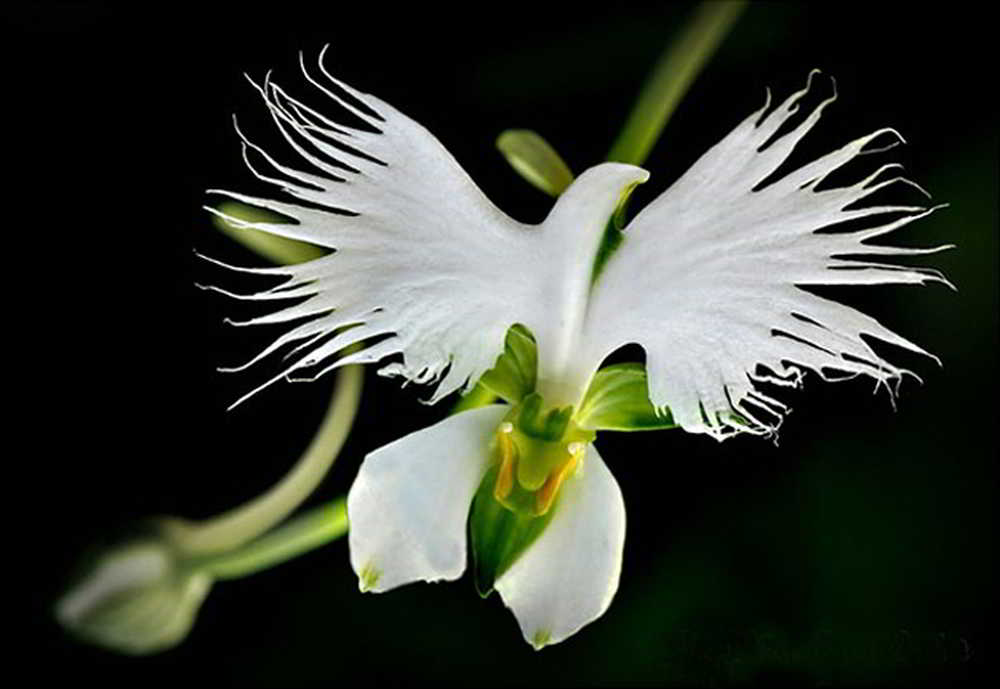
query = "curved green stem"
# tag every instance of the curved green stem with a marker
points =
(671, 78)
(312, 529)
(308, 531)
(242, 524)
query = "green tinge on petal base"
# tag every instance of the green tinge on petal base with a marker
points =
(541, 638)
(369, 577)
(499, 535)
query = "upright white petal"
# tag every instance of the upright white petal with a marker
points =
(422, 258)
(568, 577)
(708, 278)
(410, 502)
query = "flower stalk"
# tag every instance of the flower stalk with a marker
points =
(310, 530)
(672, 76)
(242, 524)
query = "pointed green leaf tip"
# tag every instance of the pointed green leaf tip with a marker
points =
(534, 159)
(618, 400)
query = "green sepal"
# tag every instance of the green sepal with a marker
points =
(513, 376)
(618, 400)
(499, 535)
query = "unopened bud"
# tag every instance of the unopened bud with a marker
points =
(138, 597)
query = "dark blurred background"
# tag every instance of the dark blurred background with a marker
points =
(858, 551)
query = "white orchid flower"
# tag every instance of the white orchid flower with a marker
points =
(706, 279)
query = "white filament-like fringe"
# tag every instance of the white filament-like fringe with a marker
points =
(708, 280)
(720, 262)
(397, 212)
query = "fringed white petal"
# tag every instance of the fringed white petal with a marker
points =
(419, 252)
(409, 504)
(568, 577)
(707, 279)
(424, 265)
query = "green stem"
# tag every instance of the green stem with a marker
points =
(671, 78)
(238, 526)
(312, 529)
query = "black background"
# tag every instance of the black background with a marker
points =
(861, 550)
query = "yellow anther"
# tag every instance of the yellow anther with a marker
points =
(546, 495)
(508, 455)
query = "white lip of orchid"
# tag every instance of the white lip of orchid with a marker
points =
(408, 509)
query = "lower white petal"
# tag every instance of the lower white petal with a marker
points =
(568, 577)
(409, 505)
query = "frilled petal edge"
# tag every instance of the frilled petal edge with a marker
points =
(724, 260)
(423, 265)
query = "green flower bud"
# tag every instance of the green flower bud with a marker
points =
(535, 160)
(137, 597)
